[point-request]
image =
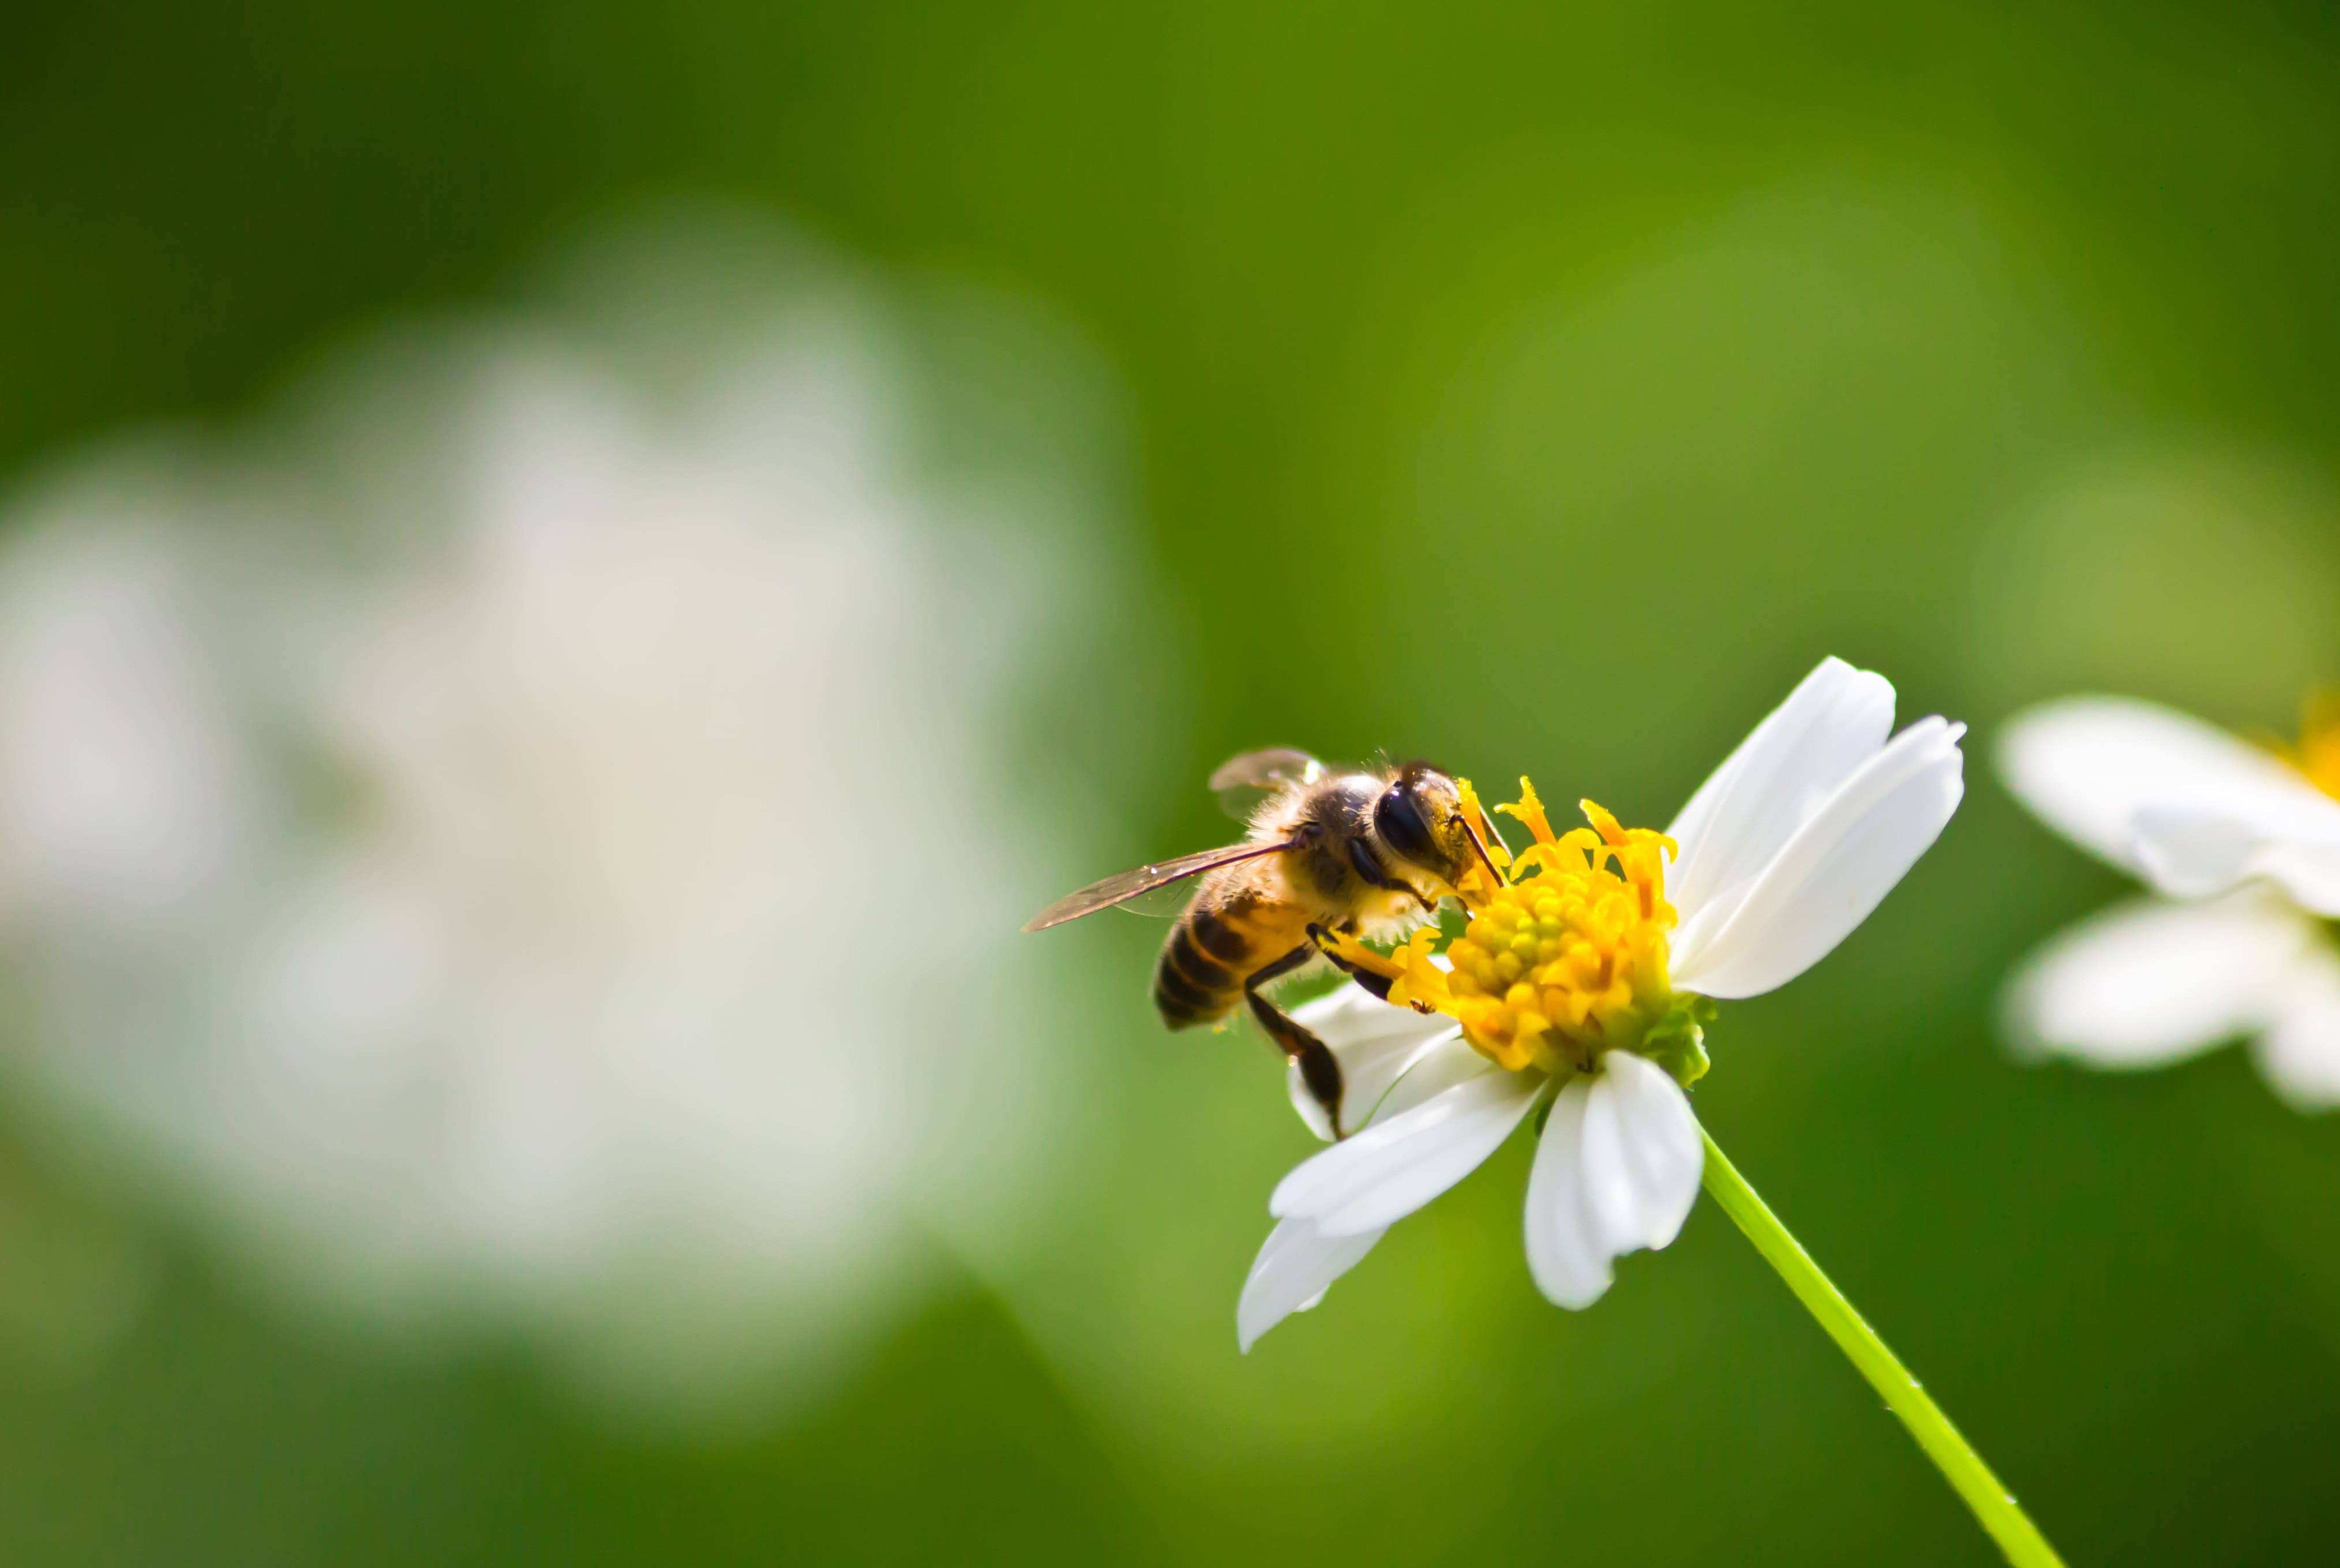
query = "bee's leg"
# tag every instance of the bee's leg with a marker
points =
(1318, 1068)
(1379, 985)
(1374, 982)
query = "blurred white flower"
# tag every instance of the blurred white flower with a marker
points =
(498, 840)
(1580, 987)
(2244, 848)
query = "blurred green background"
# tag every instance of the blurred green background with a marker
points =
(1535, 389)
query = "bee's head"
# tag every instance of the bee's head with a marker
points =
(1418, 818)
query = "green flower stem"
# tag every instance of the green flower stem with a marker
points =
(1993, 1505)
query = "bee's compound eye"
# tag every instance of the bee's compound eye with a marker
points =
(1398, 817)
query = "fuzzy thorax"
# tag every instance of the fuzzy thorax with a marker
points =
(1562, 960)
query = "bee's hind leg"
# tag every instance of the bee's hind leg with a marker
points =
(1319, 1069)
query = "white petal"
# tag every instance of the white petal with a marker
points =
(1836, 869)
(1293, 1271)
(2215, 808)
(1400, 1163)
(2188, 852)
(1566, 1261)
(2308, 869)
(1617, 1171)
(1443, 1065)
(2151, 982)
(2300, 1052)
(2087, 765)
(1658, 1137)
(1375, 1043)
(2192, 852)
(1836, 718)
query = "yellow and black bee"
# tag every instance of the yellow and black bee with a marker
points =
(1367, 854)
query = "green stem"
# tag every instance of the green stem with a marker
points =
(1993, 1505)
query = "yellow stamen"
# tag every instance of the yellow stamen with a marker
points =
(1563, 960)
(1530, 811)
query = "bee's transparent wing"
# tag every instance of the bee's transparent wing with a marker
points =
(1243, 783)
(1143, 880)
(1167, 902)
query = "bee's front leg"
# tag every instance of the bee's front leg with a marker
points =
(1375, 983)
(1319, 1068)
(1379, 985)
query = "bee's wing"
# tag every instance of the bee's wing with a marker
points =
(1167, 902)
(1143, 880)
(1242, 782)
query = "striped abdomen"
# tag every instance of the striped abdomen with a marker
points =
(1215, 948)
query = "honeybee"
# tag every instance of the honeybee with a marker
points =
(1367, 854)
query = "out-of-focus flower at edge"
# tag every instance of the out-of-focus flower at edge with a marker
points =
(2243, 847)
(1580, 984)
(493, 837)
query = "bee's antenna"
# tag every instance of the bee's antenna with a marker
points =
(1480, 845)
(1495, 829)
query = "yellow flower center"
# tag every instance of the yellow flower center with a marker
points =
(2318, 754)
(1564, 957)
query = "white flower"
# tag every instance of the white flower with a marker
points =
(2245, 849)
(497, 839)
(1790, 844)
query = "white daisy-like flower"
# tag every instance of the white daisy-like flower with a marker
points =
(459, 835)
(1580, 985)
(2242, 847)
